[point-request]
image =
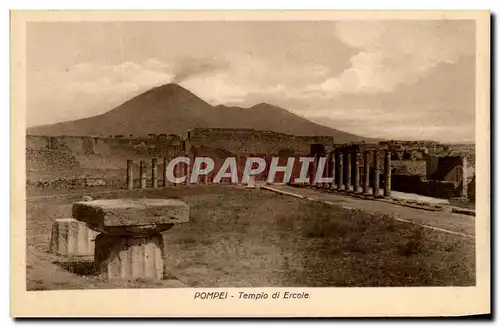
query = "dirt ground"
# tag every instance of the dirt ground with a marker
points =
(241, 237)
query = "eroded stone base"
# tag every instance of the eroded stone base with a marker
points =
(71, 237)
(129, 258)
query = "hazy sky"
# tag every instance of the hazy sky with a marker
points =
(394, 79)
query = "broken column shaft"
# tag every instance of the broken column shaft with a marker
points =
(355, 170)
(464, 191)
(387, 174)
(348, 174)
(130, 175)
(154, 173)
(314, 168)
(142, 174)
(130, 245)
(366, 172)
(376, 173)
(333, 170)
(164, 172)
(340, 171)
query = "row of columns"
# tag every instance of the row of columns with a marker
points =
(349, 178)
(346, 178)
(179, 170)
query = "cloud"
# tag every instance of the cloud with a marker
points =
(217, 89)
(247, 80)
(405, 125)
(365, 77)
(394, 53)
(88, 89)
(188, 67)
(123, 78)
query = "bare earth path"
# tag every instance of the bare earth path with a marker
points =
(452, 222)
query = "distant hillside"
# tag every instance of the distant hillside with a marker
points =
(171, 109)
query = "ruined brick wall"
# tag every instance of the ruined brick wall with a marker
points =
(72, 144)
(64, 158)
(253, 141)
(409, 167)
(67, 143)
(232, 140)
(103, 146)
(35, 142)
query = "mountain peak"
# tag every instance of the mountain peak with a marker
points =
(262, 105)
(172, 109)
(170, 87)
(171, 92)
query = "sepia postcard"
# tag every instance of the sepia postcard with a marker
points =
(250, 163)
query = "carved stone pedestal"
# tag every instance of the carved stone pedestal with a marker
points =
(130, 245)
(129, 257)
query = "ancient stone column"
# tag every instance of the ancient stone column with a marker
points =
(464, 191)
(187, 170)
(376, 172)
(154, 173)
(355, 170)
(178, 169)
(326, 171)
(239, 168)
(130, 175)
(333, 169)
(164, 171)
(348, 172)
(312, 175)
(142, 174)
(360, 174)
(130, 245)
(387, 174)
(366, 172)
(340, 171)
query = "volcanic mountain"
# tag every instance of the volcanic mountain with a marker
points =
(171, 109)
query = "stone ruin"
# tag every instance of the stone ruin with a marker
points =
(123, 235)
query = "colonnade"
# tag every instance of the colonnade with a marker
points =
(351, 174)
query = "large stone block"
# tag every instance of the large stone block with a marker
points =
(71, 237)
(131, 215)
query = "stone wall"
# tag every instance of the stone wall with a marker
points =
(66, 159)
(103, 146)
(254, 141)
(73, 144)
(409, 167)
(34, 142)
(73, 157)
